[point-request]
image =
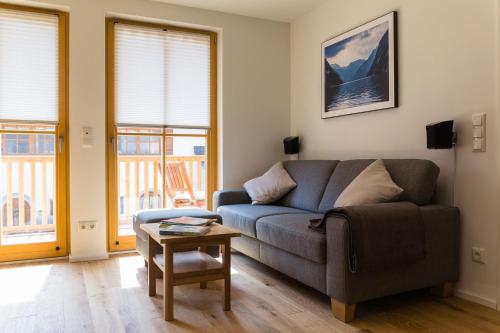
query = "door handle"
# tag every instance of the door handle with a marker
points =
(61, 143)
(112, 141)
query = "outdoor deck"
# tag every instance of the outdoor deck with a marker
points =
(29, 238)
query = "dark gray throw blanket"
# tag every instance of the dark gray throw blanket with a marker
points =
(380, 236)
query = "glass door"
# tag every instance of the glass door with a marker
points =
(33, 106)
(161, 122)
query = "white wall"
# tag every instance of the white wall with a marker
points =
(448, 70)
(254, 100)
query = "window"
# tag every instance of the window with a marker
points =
(161, 121)
(33, 164)
(36, 144)
(43, 144)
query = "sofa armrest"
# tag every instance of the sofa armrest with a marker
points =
(337, 268)
(441, 264)
(230, 197)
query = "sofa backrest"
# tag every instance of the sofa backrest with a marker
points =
(417, 178)
(311, 178)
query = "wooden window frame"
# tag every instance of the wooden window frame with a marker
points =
(122, 243)
(61, 247)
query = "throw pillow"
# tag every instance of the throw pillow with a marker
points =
(271, 186)
(373, 185)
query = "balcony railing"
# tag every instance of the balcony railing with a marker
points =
(27, 192)
(27, 203)
(140, 183)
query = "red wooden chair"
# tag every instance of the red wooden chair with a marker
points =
(179, 188)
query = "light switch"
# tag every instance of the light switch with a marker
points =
(87, 137)
(477, 119)
(477, 144)
(477, 132)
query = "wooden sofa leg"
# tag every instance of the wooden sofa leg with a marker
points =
(342, 311)
(443, 290)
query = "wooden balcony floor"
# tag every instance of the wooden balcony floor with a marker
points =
(29, 238)
(126, 230)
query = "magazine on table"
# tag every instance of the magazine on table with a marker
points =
(186, 220)
(184, 230)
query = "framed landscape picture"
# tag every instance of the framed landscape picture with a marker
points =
(359, 69)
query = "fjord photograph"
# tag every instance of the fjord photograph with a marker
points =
(356, 71)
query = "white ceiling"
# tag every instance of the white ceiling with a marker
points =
(277, 10)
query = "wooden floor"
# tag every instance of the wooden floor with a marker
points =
(111, 296)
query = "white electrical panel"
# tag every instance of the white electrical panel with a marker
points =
(479, 132)
(87, 137)
(87, 225)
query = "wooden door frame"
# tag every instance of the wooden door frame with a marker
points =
(61, 247)
(116, 243)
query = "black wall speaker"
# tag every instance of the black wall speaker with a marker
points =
(440, 135)
(291, 145)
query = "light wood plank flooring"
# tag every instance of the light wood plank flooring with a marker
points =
(111, 296)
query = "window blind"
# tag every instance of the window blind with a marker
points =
(162, 77)
(28, 66)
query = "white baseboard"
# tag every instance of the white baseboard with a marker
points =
(89, 258)
(99, 257)
(469, 296)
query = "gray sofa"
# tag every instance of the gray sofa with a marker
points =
(278, 234)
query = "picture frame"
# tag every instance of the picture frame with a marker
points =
(359, 69)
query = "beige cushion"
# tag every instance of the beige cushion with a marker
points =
(372, 185)
(271, 186)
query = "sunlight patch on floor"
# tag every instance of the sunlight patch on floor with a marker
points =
(233, 271)
(22, 284)
(128, 271)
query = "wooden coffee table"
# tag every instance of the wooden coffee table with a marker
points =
(188, 267)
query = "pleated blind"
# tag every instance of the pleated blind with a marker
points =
(28, 66)
(162, 77)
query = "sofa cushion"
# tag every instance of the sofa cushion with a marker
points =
(416, 177)
(373, 185)
(244, 216)
(311, 178)
(271, 186)
(156, 215)
(290, 232)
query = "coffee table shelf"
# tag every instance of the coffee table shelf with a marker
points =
(191, 261)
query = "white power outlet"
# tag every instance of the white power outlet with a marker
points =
(87, 225)
(479, 255)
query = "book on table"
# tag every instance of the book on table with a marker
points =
(186, 220)
(184, 230)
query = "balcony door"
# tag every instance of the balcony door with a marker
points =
(161, 122)
(33, 163)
